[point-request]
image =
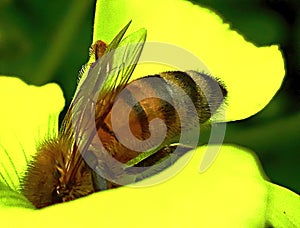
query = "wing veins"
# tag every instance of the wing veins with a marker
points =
(103, 82)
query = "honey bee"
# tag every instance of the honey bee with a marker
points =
(89, 154)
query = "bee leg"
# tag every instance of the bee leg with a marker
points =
(99, 181)
(170, 152)
(159, 161)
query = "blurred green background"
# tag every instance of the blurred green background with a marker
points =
(48, 41)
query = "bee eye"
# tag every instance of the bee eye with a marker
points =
(56, 195)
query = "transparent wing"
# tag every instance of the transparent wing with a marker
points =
(121, 64)
(97, 91)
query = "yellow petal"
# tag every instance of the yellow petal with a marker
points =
(251, 74)
(283, 207)
(231, 193)
(28, 115)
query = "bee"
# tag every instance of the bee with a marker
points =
(107, 129)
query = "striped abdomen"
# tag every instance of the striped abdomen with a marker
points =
(178, 99)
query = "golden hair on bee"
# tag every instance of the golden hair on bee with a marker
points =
(47, 180)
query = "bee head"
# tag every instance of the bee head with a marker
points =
(50, 179)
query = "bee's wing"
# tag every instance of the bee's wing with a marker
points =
(96, 92)
(121, 63)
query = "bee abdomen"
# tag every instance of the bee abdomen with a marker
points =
(174, 97)
(206, 93)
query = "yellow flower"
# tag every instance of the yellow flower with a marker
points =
(233, 192)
